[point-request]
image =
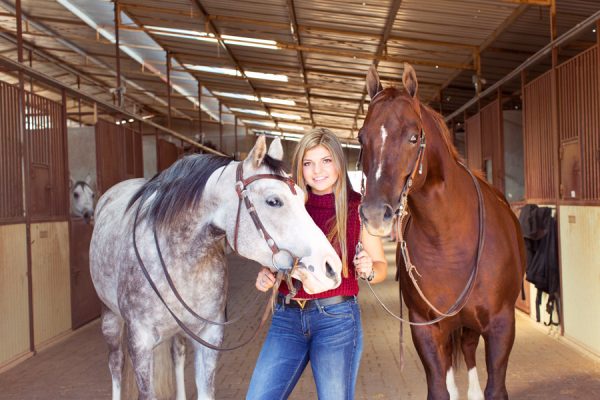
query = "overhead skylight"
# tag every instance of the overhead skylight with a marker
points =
(236, 95)
(254, 98)
(210, 37)
(278, 101)
(261, 123)
(235, 72)
(291, 126)
(249, 111)
(286, 116)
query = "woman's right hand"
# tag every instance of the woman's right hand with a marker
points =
(265, 279)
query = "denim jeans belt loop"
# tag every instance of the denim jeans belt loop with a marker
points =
(309, 303)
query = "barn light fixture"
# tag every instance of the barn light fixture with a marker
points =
(292, 127)
(261, 123)
(248, 111)
(235, 72)
(254, 98)
(286, 116)
(210, 37)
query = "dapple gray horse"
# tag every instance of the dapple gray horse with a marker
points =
(192, 207)
(82, 198)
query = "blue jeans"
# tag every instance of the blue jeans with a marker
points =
(330, 337)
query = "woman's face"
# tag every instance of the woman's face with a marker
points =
(319, 170)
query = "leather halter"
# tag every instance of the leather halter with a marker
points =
(241, 186)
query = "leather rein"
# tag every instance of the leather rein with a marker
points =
(241, 189)
(401, 213)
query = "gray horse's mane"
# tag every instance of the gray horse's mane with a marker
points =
(179, 188)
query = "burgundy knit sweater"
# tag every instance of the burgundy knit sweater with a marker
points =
(322, 211)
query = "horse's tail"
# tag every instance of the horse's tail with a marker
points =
(455, 338)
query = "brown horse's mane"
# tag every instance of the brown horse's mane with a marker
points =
(445, 134)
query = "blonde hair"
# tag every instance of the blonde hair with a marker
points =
(324, 137)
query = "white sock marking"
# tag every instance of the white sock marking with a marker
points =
(475, 392)
(451, 385)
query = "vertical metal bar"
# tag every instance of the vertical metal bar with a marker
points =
(79, 101)
(221, 127)
(235, 129)
(556, 141)
(169, 90)
(26, 171)
(119, 97)
(200, 110)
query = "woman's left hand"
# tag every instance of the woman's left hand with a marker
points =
(363, 264)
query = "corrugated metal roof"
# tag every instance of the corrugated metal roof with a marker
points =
(323, 47)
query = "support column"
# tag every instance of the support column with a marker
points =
(169, 90)
(119, 91)
(221, 127)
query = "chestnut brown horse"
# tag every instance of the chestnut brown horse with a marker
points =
(464, 256)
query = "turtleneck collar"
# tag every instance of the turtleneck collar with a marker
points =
(321, 201)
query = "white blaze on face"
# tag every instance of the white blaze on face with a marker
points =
(451, 384)
(384, 135)
(475, 392)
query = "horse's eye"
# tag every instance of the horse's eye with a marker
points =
(274, 202)
(413, 139)
(76, 195)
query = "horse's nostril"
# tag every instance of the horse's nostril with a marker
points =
(388, 213)
(362, 214)
(330, 271)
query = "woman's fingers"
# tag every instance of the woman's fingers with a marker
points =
(265, 280)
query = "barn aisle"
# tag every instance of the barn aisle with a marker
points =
(541, 366)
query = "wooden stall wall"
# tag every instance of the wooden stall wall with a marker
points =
(51, 280)
(119, 154)
(473, 138)
(14, 298)
(579, 236)
(538, 142)
(168, 153)
(33, 155)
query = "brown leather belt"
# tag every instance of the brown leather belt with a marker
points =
(310, 303)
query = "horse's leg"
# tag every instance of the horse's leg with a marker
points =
(141, 345)
(433, 349)
(205, 362)
(469, 342)
(499, 338)
(178, 353)
(112, 329)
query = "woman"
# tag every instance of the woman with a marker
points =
(322, 328)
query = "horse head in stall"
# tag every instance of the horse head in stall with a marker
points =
(157, 247)
(460, 255)
(82, 198)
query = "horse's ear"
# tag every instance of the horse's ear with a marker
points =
(373, 82)
(258, 152)
(276, 149)
(71, 182)
(88, 179)
(409, 79)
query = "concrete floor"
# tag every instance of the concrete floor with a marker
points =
(542, 365)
